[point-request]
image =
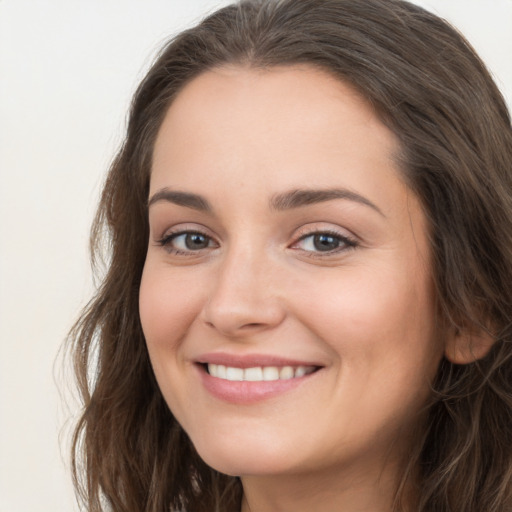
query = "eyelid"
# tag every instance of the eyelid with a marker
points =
(185, 227)
(174, 232)
(173, 236)
(348, 240)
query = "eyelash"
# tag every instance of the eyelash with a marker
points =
(166, 241)
(345, 242)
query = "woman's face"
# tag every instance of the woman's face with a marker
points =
(287, 300)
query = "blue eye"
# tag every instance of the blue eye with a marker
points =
(325, 242)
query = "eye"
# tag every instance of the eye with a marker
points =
(324, 242)
(186, 242)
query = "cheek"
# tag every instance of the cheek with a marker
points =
(377, 320)
(167, 307)
(383, 333)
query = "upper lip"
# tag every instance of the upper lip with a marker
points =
(251, 360)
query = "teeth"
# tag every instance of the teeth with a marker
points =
(300, 371)
(234, 373)
(258, 373)
(270, 373)
(253, 374)
(221, 371)
(286, 372)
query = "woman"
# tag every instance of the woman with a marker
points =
(307, 300)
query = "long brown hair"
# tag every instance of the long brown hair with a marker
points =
(430, 88)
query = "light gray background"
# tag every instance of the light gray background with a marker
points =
(67, 71)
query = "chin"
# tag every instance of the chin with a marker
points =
(248, 458)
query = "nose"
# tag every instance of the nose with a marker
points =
(245, 297)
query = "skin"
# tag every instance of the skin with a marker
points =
(365, 314)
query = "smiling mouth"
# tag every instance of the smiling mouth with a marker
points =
(258, 373)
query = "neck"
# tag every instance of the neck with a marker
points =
(331, 490)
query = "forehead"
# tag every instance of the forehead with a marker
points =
(303, 96)
(234, 107)
(271, 130)
(281, 86)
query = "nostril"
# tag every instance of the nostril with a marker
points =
(247, 326)
(242, 316)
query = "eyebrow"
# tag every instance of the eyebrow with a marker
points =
(194, 201)
(284, 201)
(303, 197)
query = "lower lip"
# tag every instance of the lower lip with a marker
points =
(246, 392)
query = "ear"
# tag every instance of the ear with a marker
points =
(469, 345)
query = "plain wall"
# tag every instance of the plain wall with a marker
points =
(67, 71)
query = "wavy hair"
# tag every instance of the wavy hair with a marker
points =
(430, 88)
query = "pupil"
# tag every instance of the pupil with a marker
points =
(325, 242)
(196, 241)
